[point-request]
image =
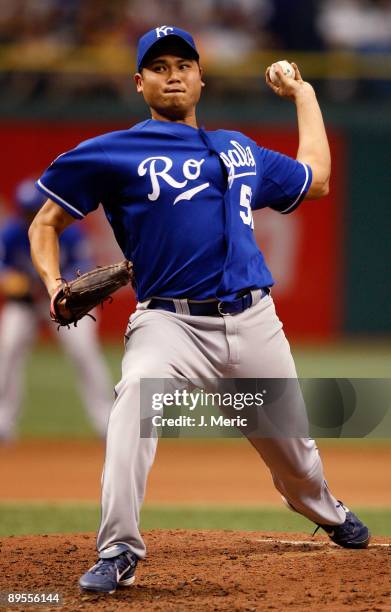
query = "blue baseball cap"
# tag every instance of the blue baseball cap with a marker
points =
(27, 196)
(157, 35)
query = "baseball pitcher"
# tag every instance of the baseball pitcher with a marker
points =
(180, 201)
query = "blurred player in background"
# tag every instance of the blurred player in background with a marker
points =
(25, 307)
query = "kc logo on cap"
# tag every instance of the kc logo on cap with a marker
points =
(163, 31)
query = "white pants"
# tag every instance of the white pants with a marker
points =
(162, 344)
(18, 329)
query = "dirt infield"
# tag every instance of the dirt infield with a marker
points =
(200, 570)
(208, 570)
(199, 473)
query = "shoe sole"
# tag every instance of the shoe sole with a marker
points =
(122, 583)
(128, 582)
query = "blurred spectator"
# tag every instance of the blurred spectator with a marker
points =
(38, 20)
(293, 24)
(98, 21)
(101, 22)
(227, 32)
(356, 24)
(234, 29)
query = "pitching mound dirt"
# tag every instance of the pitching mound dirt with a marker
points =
(208, 570)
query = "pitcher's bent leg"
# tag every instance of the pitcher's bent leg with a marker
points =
(297, 472)
(128, 461)
(294, 462)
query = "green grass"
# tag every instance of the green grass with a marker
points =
(345, 360)
(52, 406)
(35, 518)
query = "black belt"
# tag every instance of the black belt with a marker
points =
(210, 309)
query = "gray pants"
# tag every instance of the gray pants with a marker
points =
(161, 344)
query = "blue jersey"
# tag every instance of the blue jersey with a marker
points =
(180, 201)
(15, 250)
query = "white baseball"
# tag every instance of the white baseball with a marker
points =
(287, 69)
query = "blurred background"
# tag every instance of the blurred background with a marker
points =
(66, 75)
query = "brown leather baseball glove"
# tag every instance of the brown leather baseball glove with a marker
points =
(74, 299)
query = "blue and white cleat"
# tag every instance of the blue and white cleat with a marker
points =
(110, 572)
(351, 534)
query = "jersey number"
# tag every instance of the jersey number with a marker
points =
(245, 200)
